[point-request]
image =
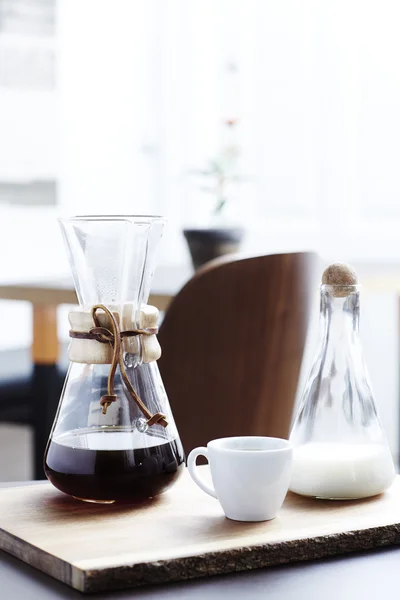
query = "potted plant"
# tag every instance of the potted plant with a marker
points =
(220, 175)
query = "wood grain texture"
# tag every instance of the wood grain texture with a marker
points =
(232, 343)
(181, 535)
(60, 290)
(45, 346)
(43, 295)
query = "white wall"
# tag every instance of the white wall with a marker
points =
(28, 135)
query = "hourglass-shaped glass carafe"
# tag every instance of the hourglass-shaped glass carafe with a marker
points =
(114, 436)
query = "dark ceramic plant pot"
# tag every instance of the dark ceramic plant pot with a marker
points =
(207, 244)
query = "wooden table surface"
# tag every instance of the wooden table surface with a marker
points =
(368, 575)
(54, 291)
(167, 282)
(181, 535)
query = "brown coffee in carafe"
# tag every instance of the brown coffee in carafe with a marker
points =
(102, 466)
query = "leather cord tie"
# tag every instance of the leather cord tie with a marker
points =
(113, 335)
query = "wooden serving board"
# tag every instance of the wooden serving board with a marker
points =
(181, 535)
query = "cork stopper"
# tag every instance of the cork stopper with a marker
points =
(341, 276)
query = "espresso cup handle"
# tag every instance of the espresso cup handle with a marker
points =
(193, 471)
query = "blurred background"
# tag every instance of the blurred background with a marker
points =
(278, 118)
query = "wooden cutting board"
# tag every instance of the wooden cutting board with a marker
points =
(181, 535)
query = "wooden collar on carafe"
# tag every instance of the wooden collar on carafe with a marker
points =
(113, 335)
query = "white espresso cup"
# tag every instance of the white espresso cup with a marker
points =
(250, 475)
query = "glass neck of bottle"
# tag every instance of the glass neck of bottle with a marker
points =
(340, 314)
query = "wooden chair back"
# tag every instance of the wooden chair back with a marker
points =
(233, 341)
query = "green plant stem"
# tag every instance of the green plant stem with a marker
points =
(219, 206)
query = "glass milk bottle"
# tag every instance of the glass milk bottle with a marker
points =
(340, 448)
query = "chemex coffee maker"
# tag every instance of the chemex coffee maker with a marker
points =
(114, 436)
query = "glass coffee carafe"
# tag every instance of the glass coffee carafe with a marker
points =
(114, 436)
